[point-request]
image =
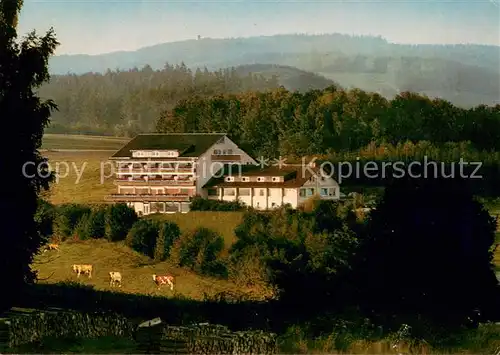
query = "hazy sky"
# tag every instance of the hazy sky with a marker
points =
(87, 26)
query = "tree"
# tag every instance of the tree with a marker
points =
(142, 237)
(427, 255)
(23, 69)
(119, 218)
(169, 232)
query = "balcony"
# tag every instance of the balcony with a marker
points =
(226, 157)
(153, 182)
(148, 198)
(155, 171)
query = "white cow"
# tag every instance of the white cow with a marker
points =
(83, 269)
(115, 278)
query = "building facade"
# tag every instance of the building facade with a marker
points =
(273, 187)
(160, 173)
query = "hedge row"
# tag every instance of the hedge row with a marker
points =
(199, 203)
(85, 221)
(35, 327)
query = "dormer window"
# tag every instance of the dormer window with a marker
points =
(245, 179)
(229, 178)
(260, 179)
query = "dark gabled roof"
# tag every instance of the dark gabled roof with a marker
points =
(293, 177)
(188, 144)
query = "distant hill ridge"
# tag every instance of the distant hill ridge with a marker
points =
(466, 75)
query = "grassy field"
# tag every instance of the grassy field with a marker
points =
(74, 141)
(84, 177)
(136, 270)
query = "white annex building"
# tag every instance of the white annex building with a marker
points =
(160, 173)
(273, 187)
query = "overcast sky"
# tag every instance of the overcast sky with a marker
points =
(93, 27)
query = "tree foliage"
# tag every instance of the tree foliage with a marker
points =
(280, 122)
(23, 68)
(298, 250)
(142, 237)
(168, 233)
(427, 255)
(119, 218)
(200, 250)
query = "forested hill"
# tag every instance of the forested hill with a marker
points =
(130, 102)
(467, 75)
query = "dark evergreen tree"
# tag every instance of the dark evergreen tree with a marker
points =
(23, 69)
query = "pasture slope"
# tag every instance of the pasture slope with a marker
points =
(136, 270)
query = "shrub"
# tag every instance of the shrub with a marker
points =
(249, 268)
(168, 233)
(67, 218)
(44, 217)
(142, 237)
(119, 218)
(96, 225)
(200, 251)
(91, 225)
(202, 204)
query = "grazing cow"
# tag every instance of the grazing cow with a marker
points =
(115, 278)
(83, 269)
(164, 280)
(51, 247)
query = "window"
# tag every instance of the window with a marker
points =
(212, 192)
(230, 178)
(244, 192)
(260, 179)
(245, 179)
(302, 193)
(332, 191)
(224, 152)
(261, 192)
(217, 152)
(324, 192)
(309, 192)
(229, 192)
(276, 179)
(229, 151)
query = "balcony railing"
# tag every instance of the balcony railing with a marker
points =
(158, 171)
(156, 182)
(147, 197)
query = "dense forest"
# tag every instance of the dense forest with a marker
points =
(320, 122)
(125, 103)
